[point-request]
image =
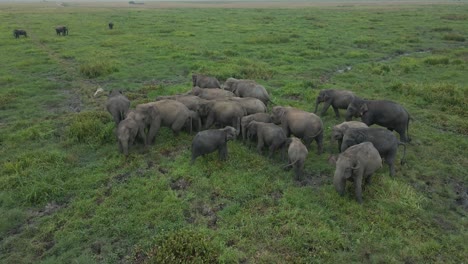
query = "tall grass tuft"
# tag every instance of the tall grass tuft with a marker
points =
(454, 37)
(97, 68)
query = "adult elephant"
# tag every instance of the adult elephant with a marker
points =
(61, 30)
(247, 88)
(211, 94)
(117, 105)
(260, 117)
(224, 113)
(381, 112)
(382, 139)
(339, 130)
(111, 25)
(301, 124)
(268, 134)
(338, 99)
(203, 81)
(251, 105)
(20, 32)
(169, 113)
(148, 119)
(356, 164)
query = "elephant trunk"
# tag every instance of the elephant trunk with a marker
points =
(317, 102)
(124, 147)
(339, 180)
(348, 116)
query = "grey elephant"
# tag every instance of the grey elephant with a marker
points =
(20, 32)
(339, 130)
(194, 122)
(356, 164)
(268, 134)
(211, 94)
(381, 112)
(211, 140)
(117, 105)
(338, 99)
(382, 139)
(192, 102)
(297, 155)
(203, 81)
(61, 30)
(127, 131)
(168, 113)
(260, 117)
(111, 25)
(149, 119)
(247, 88)
(224, 113)
(251, 105)
(301, 124)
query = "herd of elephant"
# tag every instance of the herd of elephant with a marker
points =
(239, 106)
(59, 30)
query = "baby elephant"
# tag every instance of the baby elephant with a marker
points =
(210, 140)
(268, 134)
(356, 164)
(117, 105)
(297, 154)
(127, 131)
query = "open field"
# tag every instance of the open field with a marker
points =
(67, 195)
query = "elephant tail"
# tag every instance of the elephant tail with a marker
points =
(407, 127)
(403, 159)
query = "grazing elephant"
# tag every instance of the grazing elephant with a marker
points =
(260, 117)
(338, 99)
(356, 164)
(205, 81)
(247, 88)
(211, 94)
(127, 131)
(169, 113)
(339, 130)
(210, 140)
(251, 105)
(225, 113)
(297, 154)
(381, 112)
(301, 124)
(111, 25)
(382, 139)
(61, 30)
(117, 105)
(267, 134)
(19, 32)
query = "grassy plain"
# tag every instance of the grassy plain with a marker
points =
(67, 195)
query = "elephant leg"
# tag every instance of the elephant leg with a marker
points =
(337, 113)
(260, 144)
(152, 133)
(319, 140)
(402, 133)
(209, 120)
(298, 170)
(391, 165)
(177, 125)
(358, 188)
(222, 151)
(340, 142)
(326, 105)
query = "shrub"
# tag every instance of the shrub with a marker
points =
(98, 68)
(91, 127)
(454, 37)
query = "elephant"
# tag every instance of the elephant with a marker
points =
(299, 123)
(251, 105)
(357, 163)
(247, 88)
(338, 99)
(169, 113)
(194, 122)
(267, 134)
(127, 131)
(339, 130)
(111, 25)
(260, 117)
(203, 81)
(61, 30)
(117, 105)
(20, 32)
(210, 94)
(381, 112)
(222, 112)
(382, 139)
(192, 102)
(210, 140)
(297, 154)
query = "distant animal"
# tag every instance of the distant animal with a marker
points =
(203, 81)
(211, 140)
(245, 120)
(299, 123)
(268, 134)
(61, 30)
(111, 25)
(381, 112)
(339, 130)
(356, 164)
(297, 154)
(247, 88)
(382, 139)
(338, 99)
(117, 105)
(19, 32)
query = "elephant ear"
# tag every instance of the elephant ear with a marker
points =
(363, 109)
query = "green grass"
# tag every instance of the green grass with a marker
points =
(67, 195)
